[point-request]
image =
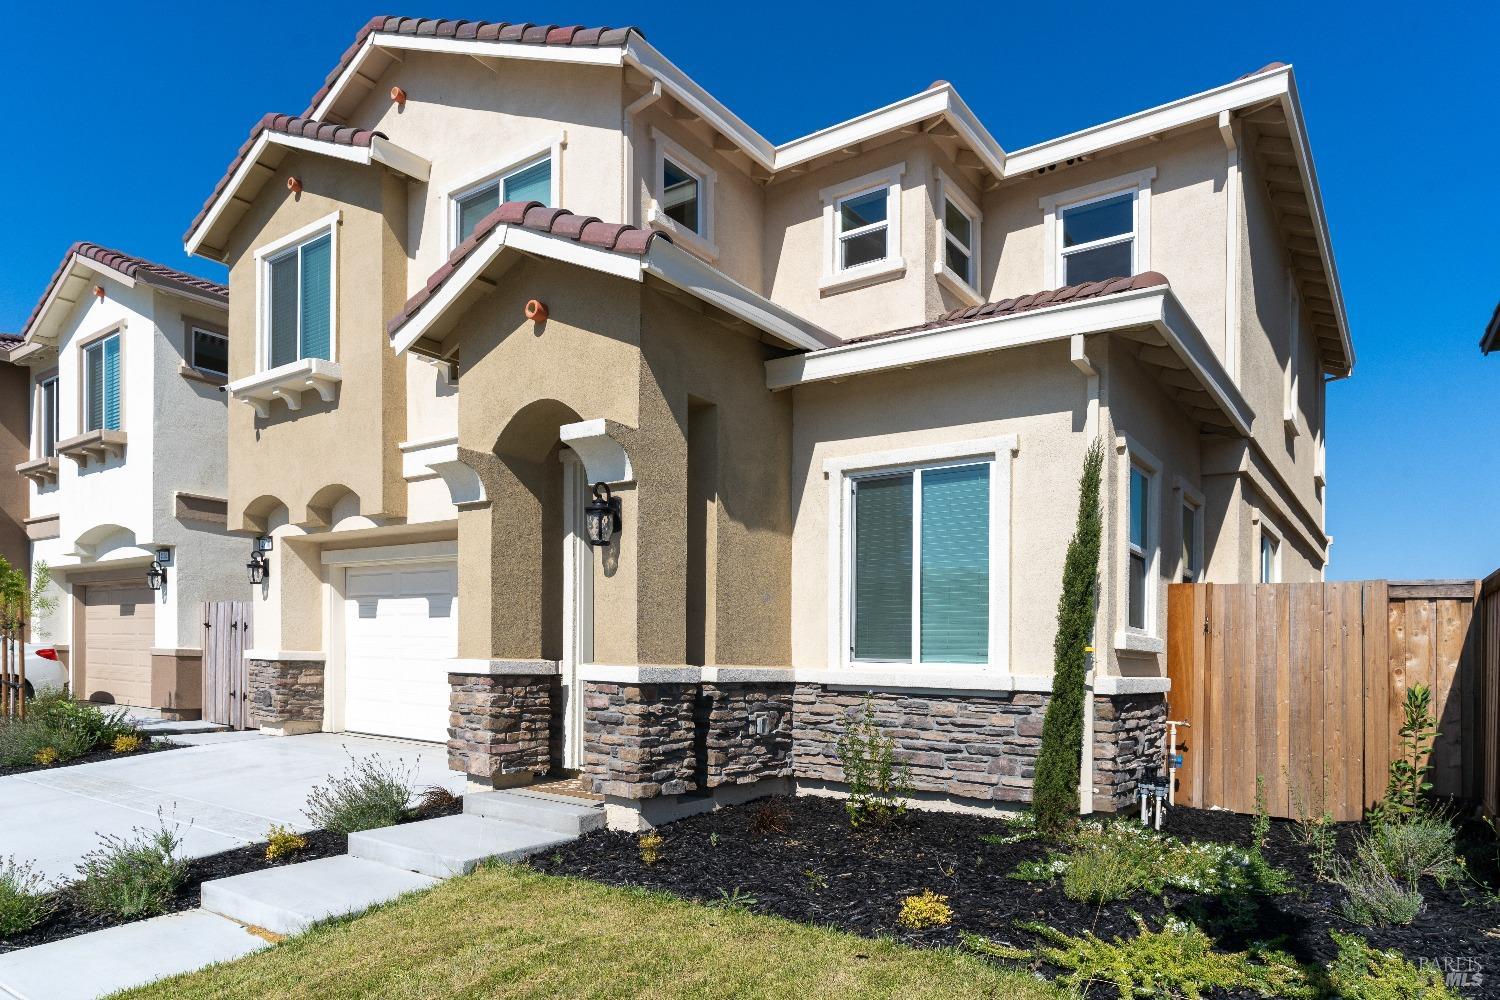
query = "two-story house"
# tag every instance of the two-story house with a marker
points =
(588, 429)
(126, 467)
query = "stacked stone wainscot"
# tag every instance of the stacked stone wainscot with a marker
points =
(285, 695)
(749, 733)
(638, 739)
(1128, 734)
(499, 727)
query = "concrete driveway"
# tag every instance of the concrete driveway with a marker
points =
(222, 792)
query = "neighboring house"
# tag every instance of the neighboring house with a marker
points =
(1491, 340)
(14, 447)
(126, 464)
(841, 418)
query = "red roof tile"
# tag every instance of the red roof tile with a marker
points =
(1026, 303)
(557, 222)
(523, 33)
(306, 128)
(135, 268)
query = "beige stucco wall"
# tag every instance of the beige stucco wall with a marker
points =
(15, 447)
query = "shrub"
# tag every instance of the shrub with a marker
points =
(876, 782)
(63, 728)
(282, 842)
(770, 817)
(132, 877)
(128, 743)
(925, 910)
(1407, 785)
(436, 801)
(24, 899)
(1177, 961)
(371, 792)
(1316, 836)
(1059, 759)
(1422, 846)
(1377, 898)
(1022, 827)
(1364, 973)
(650, 845)
(46, 756)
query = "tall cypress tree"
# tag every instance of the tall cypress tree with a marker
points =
(1055, 787)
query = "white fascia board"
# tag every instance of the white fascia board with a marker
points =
(195, 238)
(35, 326)
(79, 260)
(351, 72)
(1126, 309)
(354, 154)
(402, 161)
(903, 113)
(686, 91)
(610, 55)
(683, 270)
(1185, 111)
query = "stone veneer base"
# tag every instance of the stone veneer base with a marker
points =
(499, 727)
(286, 696)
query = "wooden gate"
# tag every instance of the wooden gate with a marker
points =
(226, 636)
(1301, 685)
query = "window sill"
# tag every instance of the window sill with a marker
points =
(702, 246)
(862, 276)
(1290, 423)
(41, 471)
(98, 446)
(288, 383)
(194, 375)
(1131, 642)
(958, 286)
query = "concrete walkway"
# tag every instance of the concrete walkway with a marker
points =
(223, 792)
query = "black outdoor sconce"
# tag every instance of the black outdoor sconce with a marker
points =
(601, 516)
(259, 566)
(156, 576)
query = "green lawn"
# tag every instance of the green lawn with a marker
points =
(509, 932)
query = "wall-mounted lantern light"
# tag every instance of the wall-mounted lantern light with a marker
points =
(601, 516)
(259, 567)
(156, 576)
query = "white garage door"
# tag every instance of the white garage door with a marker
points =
(400, 631)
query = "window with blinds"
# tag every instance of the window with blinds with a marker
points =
(301, 302)
(49, 418)
(532, 182)
(920, 589)
(101, 385)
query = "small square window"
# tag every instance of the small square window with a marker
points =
(863, 228)
(1098, 240)
(679, 196)
(210, 352)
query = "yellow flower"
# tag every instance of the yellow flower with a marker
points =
(46, 756)
(127, 743)
(651, 845)
(924, 910)
(281, 843)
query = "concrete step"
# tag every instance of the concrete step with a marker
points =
(288, 900)
(100, 963)
(545, 812)
(451, 845)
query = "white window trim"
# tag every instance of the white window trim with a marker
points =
(947, 191)
(193, 331)
(1138, 183)
(1265, 532)
(838, 279)
(703, 244)
(89, 348)
(263, 255)
(1291, 382)
(1129, 639)
(39, 421)
(841, 472)
(514, 161)
(1189, 497)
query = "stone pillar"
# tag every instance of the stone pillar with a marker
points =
(286, 696)
(749, 731)
(1128, 734)
(638, 738)
(500, 724)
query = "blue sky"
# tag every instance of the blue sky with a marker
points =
(122, 120)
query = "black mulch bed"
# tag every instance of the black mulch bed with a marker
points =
(70, 919)
(860, 880)
(155, 745)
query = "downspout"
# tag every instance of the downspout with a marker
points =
(630, 204)
(1232, 244)
(1078, 354)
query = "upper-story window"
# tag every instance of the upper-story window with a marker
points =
(1143, 542)
(1099, 231)
(957, 264)
(526, 177)
(47, 417)
(101, 384)
(208, 351)
(1192, 542)
(1270, 556)
(862, 230)
(682, 197)
(297, 296)
(1291, 384)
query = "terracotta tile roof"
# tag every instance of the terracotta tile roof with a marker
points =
(533, 215)
(522, 33)
(306, 128)
(135, 268)
(8, 341)
(1026, 303)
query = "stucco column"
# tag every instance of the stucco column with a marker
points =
(658, 521)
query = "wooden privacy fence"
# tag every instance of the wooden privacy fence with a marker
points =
(1487, 625)
(226, 636)
(1300, 685)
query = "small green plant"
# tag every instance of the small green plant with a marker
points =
(131, 877)
(1315, 834)
(816, 880)
(877, 783)
(1022, 826)
(58, 730)
(1177, 961)
(736, 901)
(651, 846)
(1424, 846)
(24, 898)
(370, 793)
(925, 910)
(1407, 785)
(46, 756)
(1055, 787)
(282, 842)
(1376, 897)
(1361, 972)
(713, 839)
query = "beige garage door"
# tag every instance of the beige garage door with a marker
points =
(118, 632)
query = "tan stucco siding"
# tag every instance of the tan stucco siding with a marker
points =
(15, 447)
(292, 456)
(1033, 393)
